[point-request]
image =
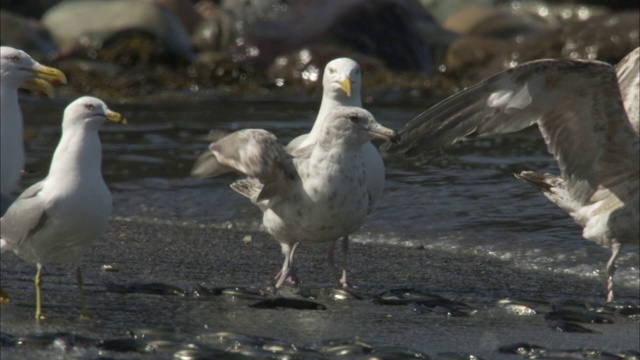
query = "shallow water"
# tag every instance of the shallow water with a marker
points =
(464, 199)
(458, 204)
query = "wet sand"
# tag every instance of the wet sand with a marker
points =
(186, 255)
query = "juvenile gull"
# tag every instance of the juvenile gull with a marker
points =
(56, 219)
(579, 109)
(341, 84)
(18, 70)
(316, 193)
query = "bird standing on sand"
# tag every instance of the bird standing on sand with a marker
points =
(18, 70)
(56, 219)
(588, 118)
(341, 83)
(317, 193)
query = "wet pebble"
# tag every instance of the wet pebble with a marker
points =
(443, 306)
(145, 288)
(126, 345)
(343, 347)
(288, 303)
(579, 354)
(59, 340)
(343, 294)
(243, 293)
(457, 356)
(565, 326)
(404, 296)
(109, 268)
(578, 316)
(201, 291)
(516, 308)
(7, 340)
(522, 349)
(625, 309)
(153, 333)
(397, 352)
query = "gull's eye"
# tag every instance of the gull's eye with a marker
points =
(14, 58)
(332, 70)
(90, 107)
(353, 118)
(357, 71)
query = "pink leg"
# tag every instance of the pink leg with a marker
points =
(287, 273)
(345, 262)
(611, 269)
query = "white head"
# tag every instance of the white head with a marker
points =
(89, 112)
(18, 69)
(354, 125)
(341, 78)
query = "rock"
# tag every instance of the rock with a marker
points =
(385, 29)
(26, 34)
(94, 25)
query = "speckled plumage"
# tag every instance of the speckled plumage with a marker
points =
(316, 193)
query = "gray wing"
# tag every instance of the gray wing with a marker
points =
(579, 111)
(256, 154)
(24, 217)
(629, 78)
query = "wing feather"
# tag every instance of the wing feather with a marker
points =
(578, 108)
(24, 217)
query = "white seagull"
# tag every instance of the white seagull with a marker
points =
(312, 194)
(18, 70)
(341, 83)
(587, 112)
(56, 219)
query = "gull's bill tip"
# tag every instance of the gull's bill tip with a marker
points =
(50, 74)
(44, 76)
(383, 133)
(115, 117)
(40, 87)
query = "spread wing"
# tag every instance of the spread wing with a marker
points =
(577, 106)
(628, 71)
(254, 153)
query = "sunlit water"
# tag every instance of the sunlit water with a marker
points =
(462, 200)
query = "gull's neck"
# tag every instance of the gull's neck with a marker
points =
(11, 116)
(329, 102)
(11, 130)
(78, 156)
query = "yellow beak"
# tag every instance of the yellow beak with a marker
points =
(345, 84)
(382, 133)
(115, 117)
(42, 79)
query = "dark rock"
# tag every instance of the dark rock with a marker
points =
(26, 34)
(565, 326)
(522, 349)
(91, 26)
(288, 303)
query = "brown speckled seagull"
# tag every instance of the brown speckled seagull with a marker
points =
(587, 112)
(317, 193)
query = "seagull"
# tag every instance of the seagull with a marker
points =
(587, 112)
(341, 83)
(18, 70)
(317, 193)
(56, 219)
